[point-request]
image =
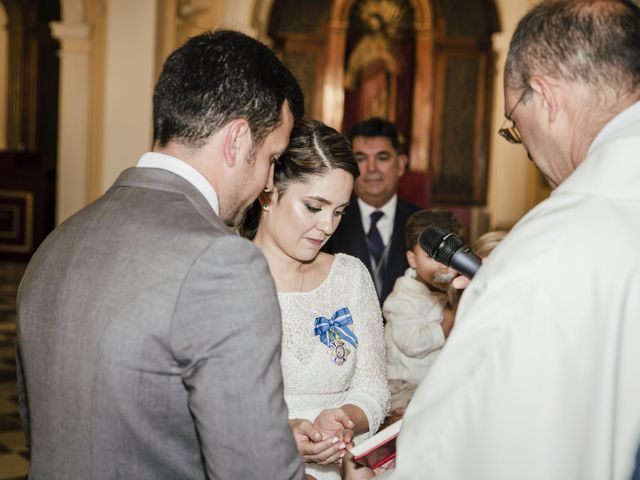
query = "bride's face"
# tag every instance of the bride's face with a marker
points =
(301, 220)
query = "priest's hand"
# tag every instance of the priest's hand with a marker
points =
(353, 471)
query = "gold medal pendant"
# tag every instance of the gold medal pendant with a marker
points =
(338, 350)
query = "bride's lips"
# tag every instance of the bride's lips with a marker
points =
(315, 241)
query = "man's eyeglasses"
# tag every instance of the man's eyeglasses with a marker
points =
(512, 134)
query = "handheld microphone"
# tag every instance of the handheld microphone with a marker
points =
(446, 248)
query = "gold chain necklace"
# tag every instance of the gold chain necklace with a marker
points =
(303, 272)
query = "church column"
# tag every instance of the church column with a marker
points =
(422, 101)
(333, 84)
(511, 175)
(237, 15)
(130, 75)
(72, 177)
(4, 65)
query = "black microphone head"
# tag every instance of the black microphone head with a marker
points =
(439, 244)
(430, 239)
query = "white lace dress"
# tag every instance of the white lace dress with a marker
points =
(317, 376)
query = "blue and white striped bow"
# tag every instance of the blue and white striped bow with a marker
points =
(336, 324)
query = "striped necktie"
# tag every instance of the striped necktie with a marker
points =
(374, 239)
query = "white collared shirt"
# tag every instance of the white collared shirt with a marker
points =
(385, 224)
(184, 170)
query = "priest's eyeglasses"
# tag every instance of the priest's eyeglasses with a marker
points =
(512, 134)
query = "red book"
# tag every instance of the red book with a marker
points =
(379, 449)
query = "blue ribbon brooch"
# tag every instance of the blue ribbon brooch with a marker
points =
(333, 332)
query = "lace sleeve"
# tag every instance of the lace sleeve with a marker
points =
(369, 388)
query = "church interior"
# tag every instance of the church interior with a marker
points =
(76, 83)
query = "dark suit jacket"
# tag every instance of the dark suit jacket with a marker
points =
(350, 238)
(141, 351)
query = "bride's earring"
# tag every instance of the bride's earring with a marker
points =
(265, 199)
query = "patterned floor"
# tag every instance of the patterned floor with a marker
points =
(13, 455)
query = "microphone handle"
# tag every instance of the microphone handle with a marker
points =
(466, 262)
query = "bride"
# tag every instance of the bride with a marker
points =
(333, 358)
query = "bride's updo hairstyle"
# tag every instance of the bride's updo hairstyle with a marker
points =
(314, 150)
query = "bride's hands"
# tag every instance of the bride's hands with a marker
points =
(335, 426)
(325, 440)
(311, 444)
(335, 422)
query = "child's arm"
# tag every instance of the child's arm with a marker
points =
(416, 332)
(449, 315)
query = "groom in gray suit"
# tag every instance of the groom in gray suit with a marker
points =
(149, 333)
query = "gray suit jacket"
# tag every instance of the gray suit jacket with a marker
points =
(149, 344)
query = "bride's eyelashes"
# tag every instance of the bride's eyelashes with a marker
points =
(311, 208)
(337, 213)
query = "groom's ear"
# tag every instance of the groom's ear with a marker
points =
(237, 141)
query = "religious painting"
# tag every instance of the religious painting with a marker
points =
(379, 63)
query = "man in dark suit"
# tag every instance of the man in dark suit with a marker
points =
(141, 351)
(373, 226)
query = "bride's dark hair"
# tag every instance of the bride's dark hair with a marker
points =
(314, 149)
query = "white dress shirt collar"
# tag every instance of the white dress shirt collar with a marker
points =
(385, 224)
(184, 170)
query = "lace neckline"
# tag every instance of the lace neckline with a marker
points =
(324, 282)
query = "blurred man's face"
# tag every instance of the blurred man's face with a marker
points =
(380, 169)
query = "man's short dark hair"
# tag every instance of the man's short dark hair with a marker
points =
(216, 77)
(595, 42)
(376, 127)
